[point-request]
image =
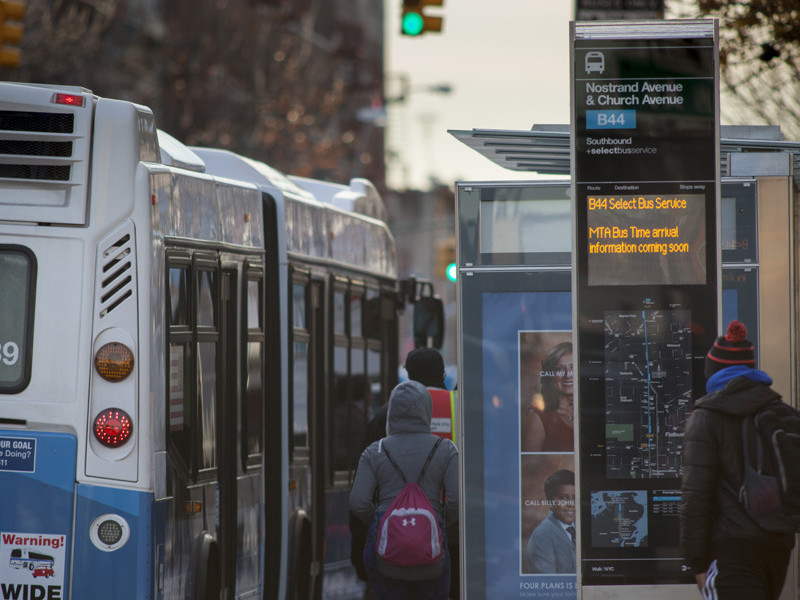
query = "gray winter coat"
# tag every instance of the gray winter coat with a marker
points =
(409, 441)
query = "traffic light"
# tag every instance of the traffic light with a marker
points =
(415, 22)
(445, 265)
(10, 33)
(452, 272)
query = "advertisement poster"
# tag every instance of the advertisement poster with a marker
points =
(529, 445)
(547, 467)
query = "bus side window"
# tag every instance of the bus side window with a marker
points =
(178, 290)
(341, 397)
(374, 330)
(206, 298)
(180, 417)
(207, 395)
(340, 412)
(252, 399)
(207, 359)
(299, 398)
(359, 386)
(374, 381)
(350, 398)
(339, 313)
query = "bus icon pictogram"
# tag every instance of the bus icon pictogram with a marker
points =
(595, 62)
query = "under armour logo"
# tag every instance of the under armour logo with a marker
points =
(412, 521)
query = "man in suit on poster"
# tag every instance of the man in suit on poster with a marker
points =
(551, 547)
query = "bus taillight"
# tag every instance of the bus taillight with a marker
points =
(114, 362)
(112, 427)
(69, 99)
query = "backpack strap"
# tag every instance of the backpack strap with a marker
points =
(748, 435)
(430, 457)
(394, 464)
(424, 466)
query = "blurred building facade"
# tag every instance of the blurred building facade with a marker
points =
(423, 223)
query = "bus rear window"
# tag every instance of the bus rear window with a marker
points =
(17, 290)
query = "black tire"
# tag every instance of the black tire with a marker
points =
(300, 556)
(207, 579)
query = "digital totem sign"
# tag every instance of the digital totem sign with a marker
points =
(645, 152)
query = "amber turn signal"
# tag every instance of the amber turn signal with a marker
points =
(114, 362)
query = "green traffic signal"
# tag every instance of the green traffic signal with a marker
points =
(451, 272)
(416, 21)
(412, 23)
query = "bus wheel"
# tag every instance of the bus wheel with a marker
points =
(300, 556)
(207, 581)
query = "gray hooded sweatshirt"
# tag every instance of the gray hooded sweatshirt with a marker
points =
(409, 441)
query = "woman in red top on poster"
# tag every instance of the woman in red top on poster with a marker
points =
(551, 428)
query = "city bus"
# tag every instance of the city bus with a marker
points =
(191, 344)
(28, 559)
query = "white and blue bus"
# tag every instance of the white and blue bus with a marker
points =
(191, 344)
(28, 559)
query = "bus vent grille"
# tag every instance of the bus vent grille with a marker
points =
(36, 145)
(116, 274)
(13, 120)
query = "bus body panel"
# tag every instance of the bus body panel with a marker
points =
(60, 262)
(251, 522)
(37, 479)
(97, 568)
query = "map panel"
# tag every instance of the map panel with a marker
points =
(648, 388)
(619, 519)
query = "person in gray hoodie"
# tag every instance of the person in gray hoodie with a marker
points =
(377, 483)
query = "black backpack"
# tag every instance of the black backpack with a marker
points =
(770, 490)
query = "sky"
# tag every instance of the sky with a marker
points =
(508, 64)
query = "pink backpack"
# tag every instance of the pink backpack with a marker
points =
(409, 534)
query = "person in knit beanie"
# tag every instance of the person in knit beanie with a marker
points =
(731, 557)
(731, 349)
(426, 365)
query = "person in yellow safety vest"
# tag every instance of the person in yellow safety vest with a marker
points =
(443, 417)
(427, 366)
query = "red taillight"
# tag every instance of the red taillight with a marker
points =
(69, 99)
(113, 427)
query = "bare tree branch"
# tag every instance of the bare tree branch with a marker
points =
(282, 85)
(760, 58)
